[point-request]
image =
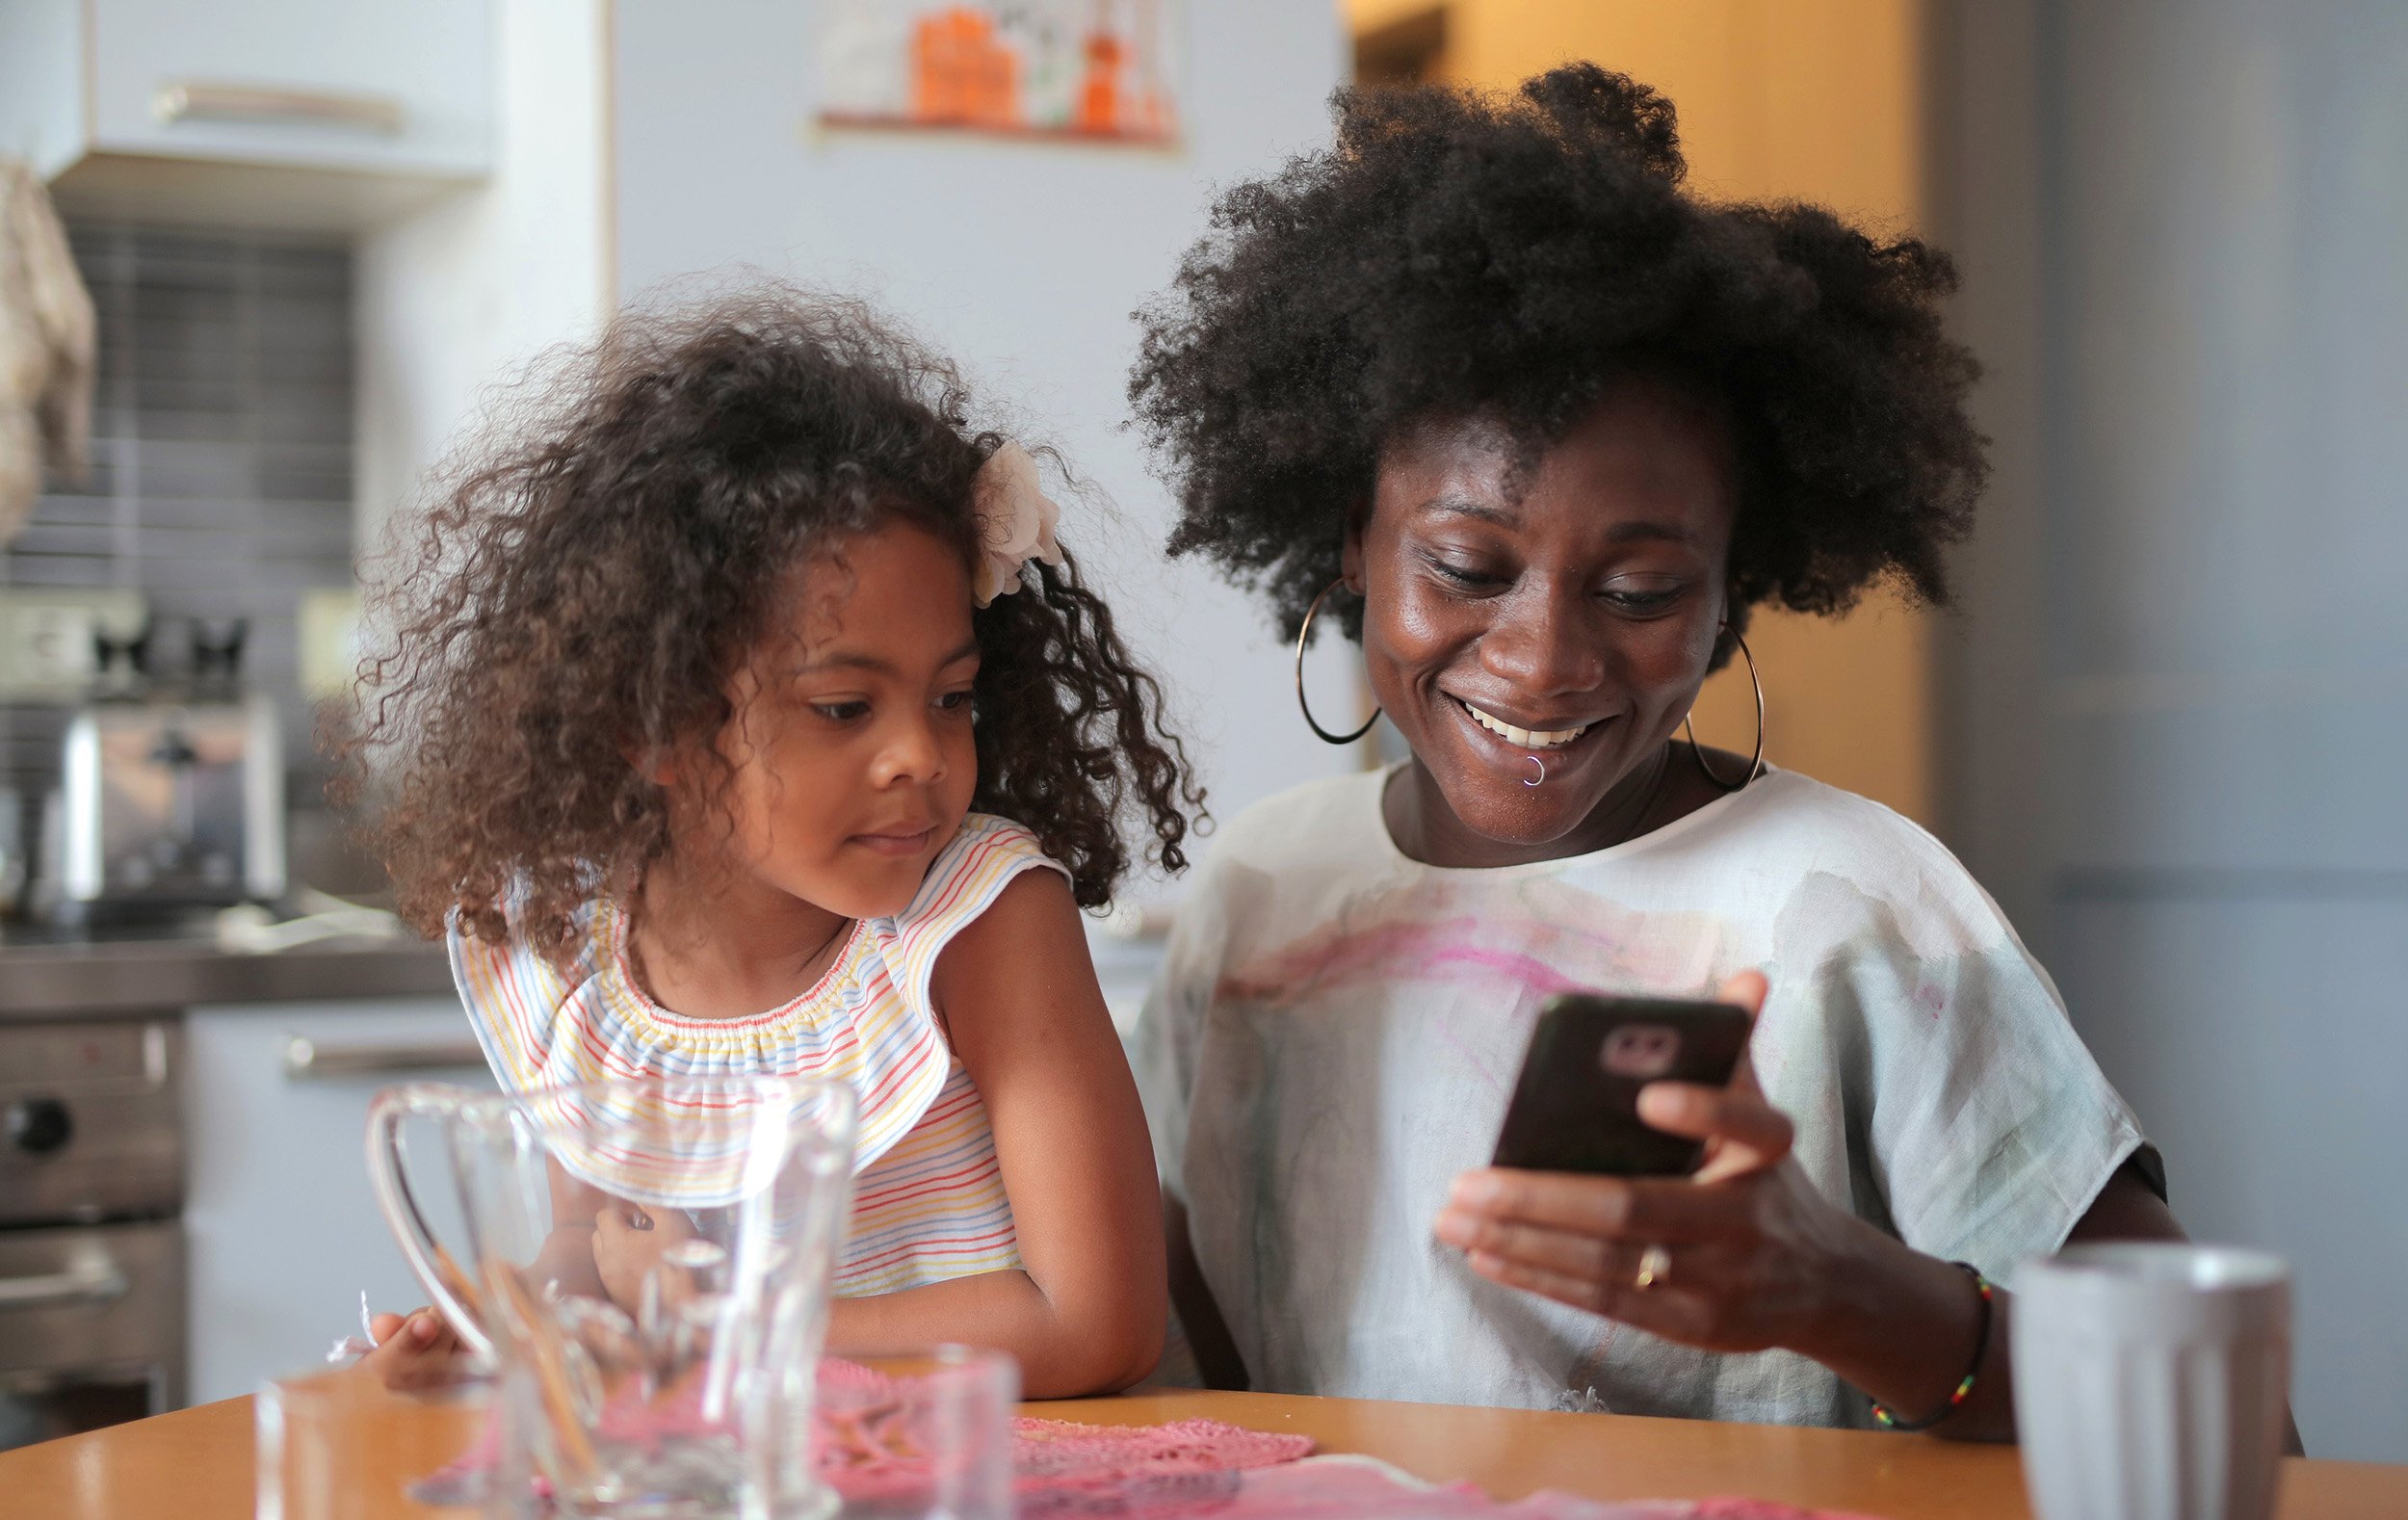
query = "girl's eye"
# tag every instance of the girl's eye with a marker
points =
(841, 712)
(955, 701)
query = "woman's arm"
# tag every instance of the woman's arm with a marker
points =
(1759, 1259)
(1017, 995)
(2128, 1209)
(1216, 1350)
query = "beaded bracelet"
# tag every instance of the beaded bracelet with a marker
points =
(1965, 1389)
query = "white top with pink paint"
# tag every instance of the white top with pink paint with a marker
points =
(1338, 1028)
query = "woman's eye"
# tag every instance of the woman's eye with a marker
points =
(955, 701)
(841, 712)
(1641, 598)
(1462, 574)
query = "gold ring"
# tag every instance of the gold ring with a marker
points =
(1654, 1264)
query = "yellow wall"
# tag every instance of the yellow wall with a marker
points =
(1782, 100)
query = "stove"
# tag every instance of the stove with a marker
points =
(91, 1253)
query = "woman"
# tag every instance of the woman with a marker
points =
(1482, 383)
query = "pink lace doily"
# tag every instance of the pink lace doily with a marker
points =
(1064, 1470)
(1061, 1468)
(1357, 1487)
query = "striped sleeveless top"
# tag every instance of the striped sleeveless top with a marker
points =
(928, 1200)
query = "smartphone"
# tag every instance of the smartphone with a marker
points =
(1576, 1106)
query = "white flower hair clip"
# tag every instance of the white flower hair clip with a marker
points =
(1015, 519)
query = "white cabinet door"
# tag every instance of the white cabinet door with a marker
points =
(402, 86)
(282, 1233)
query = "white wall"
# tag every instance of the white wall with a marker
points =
(1024, 260)
(459, 294)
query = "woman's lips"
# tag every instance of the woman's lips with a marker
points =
(896, 843)
(1559, 757)
(1519, 736)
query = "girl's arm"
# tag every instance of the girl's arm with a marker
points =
(1017, 996)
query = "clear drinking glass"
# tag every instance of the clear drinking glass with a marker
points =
(338, 1444)
(923, 1435)
(649, 1262)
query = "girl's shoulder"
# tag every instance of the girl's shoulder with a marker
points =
(516, 994)
(527, 1002)
(985, 852)
(985, 856)
(517, 956)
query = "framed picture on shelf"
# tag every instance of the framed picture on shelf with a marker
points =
(1089, 70)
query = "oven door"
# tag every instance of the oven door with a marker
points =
(91, 1328)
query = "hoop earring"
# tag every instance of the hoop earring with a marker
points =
(1303, 635)
(1756, 765)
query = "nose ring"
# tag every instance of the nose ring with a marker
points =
(1542, 770)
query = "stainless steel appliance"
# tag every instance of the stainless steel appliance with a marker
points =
(173, 795)
(174, 802)
(92, 1254)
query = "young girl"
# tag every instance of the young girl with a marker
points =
(747, 717)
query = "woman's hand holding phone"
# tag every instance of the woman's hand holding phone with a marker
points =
(1744, 1253)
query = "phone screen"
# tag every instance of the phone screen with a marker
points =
(1576, 1106)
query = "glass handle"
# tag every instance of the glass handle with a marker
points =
(450, 1288)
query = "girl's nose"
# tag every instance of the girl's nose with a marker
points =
(1541, 641)
(911, 755)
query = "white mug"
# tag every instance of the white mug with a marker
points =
(2151, 1382)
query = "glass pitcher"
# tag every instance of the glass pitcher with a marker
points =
(648, 1263)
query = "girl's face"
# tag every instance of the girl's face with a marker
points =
(853, 757)
(1576, 599)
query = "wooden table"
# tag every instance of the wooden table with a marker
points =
(197, 1464)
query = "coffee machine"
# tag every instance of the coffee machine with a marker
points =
(172, 792)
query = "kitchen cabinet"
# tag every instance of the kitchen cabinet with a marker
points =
(156, 97)
(281, 1231)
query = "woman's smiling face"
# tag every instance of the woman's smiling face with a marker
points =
(1573, 600)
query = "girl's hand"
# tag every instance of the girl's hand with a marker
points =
(1745, 1254)
(415, 1351)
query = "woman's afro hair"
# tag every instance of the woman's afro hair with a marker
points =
(1456, 253)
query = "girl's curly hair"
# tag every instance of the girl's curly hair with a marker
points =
(594, 569)
(1458, 254)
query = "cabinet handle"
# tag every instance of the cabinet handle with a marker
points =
(93, 1280)
(307, 1060)
(192, 100)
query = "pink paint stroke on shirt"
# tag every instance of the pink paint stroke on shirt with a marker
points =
(1448, 950)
